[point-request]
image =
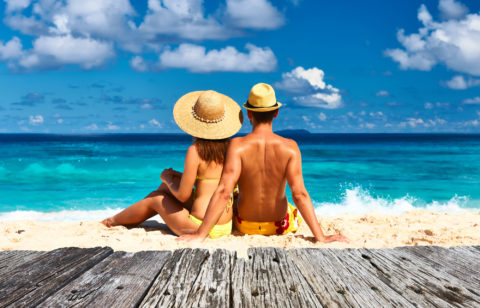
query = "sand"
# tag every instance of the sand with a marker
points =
(374, 230)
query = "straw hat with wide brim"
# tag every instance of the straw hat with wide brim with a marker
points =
(262, 98)
(208, 115)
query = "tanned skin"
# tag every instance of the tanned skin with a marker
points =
(262, 163)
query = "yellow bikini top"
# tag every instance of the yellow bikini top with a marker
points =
(201, 178)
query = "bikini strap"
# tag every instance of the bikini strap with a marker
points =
(201, 178)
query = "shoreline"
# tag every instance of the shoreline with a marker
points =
(374, 230)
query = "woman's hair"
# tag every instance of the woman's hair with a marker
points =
(212, 150)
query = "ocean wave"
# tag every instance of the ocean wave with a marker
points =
(41, 172)
(65, 215)
(357, 200)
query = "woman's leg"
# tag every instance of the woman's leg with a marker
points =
(135, 213)
(174, 214)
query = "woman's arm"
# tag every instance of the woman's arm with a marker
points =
(182, 190)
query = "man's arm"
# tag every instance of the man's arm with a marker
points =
(302, 200)
(230, 174)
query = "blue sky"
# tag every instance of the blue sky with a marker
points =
(87, 66)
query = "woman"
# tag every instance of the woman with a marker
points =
(211, 118)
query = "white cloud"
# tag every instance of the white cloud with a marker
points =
(106, 18)
(455, 43)
(308, 88)
(182, 18)
(92, 127)
(111, 126)
(475, 123)
(59, 121)
(195, 58)
(451, 9)
(52, 51)
(17, 5)
(472, 101)
(369, 125)
(11, 49)
(138, 64)
(413, 122)
(382, 93)
(435, 122)
(146, 106)
(35, 120)
(92, 30)
(442, 105)
(254, 14)
(26, 25)
(322, 117)
(460, 83)
(155, 123)
(378, 115)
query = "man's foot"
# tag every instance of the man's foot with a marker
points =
(108, 222)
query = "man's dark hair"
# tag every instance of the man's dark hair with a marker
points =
(264, 117)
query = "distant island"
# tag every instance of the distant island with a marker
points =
(293, 132)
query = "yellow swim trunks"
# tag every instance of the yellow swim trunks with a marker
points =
(217, 230)
(290, 223)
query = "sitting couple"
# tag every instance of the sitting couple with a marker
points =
(199, 202)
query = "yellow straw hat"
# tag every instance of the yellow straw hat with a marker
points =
(262, 98)
(208, 115)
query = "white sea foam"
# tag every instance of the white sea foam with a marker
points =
(66, 215)
(355, 200)
(360, 201)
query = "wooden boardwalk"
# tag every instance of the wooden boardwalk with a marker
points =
(270, 277)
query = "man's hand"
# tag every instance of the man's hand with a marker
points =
(194, 237)
(335, 238)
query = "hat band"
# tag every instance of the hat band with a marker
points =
(255, 107)
(196, 116)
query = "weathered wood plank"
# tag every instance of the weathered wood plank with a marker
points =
(212, 286)
(120, 280)
(463, 264)
(470, 252)
(276, 281)
(11, 259)
(418, 281)
(241, 284)
(341, 282)
(31, 283)
(172, 286)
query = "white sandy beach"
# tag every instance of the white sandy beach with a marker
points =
(374, 230)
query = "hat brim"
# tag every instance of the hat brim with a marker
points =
(261, 109)
(229, 126)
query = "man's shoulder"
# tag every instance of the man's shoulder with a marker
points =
(288, 143)
(237, 141)
(236, 144)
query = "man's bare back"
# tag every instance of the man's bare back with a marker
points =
(264, 157)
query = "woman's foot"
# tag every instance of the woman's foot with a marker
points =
(108, 222)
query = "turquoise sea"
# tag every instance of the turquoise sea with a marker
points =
(65, 177)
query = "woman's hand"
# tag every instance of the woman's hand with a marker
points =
(169, 174)
(165, 176)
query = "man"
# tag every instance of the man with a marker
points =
(262, 163)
